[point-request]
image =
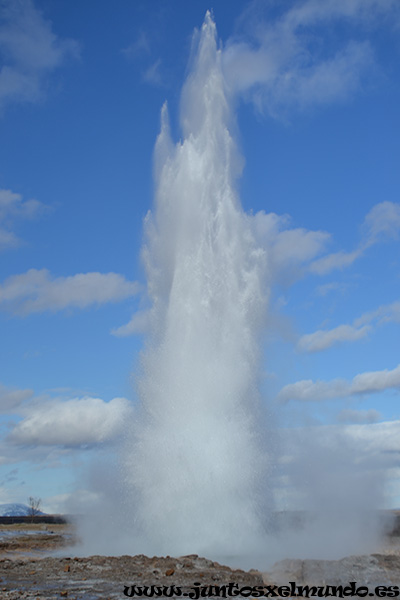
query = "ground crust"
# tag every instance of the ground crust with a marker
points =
(27, 572)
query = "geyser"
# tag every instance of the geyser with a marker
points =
(197, 457)
(196, 465)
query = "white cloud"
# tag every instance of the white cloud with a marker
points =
(8, 239)
(313, 11)
(381, 222)
(11, 398)
(384, 314)
(376, 381)
(337, 260)
(287, 64)
(377, 437)
(364, 443)
(321, 340)
(36, 291)
(308, 390)
(287, 249)
(364, 383)
(79, 502)
(29, 52)
(321, 461)
(13, 208)
(138, 324)
(348, 415)
(76, 422)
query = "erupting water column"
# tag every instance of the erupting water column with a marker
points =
(196, 466)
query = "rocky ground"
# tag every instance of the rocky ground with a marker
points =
(27, 571)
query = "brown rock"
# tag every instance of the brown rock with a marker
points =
(169, 572)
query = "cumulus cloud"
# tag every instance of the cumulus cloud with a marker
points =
(11, 398)
(80, 501)
(309, 390)
(384, 314)
(334, 261)
(138, 324)
(365, 443)
(321, 461)
(364, 383)
(12, 209)
(73, 423)
(382, 438)
(288, 63)
(321, 340)
(37, 291)
(324, 339)
(29, 52)
(288, 248)
(348, 415)
(376, 381)
(381, 222)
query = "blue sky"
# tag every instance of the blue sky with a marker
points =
(316, 88)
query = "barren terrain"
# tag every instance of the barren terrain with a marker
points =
(29, 571)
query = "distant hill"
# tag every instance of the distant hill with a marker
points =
(16, 510)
